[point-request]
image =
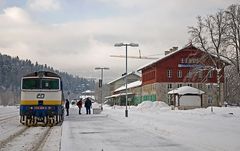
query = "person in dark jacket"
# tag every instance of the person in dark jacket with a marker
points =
(88, 105)
(67, 107)
(79, 104)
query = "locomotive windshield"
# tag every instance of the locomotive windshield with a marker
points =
(43, 83)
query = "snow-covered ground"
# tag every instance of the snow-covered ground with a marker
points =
(199, 128)
(152, 123)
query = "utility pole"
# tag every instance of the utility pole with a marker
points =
(126, 46)
(101, 83)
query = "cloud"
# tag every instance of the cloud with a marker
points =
(16, 15)
(78, 46)
(44, 5)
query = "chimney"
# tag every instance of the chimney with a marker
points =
(167, 52)
(175, 48)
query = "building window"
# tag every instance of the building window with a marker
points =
(189, 74)
(199, 86)
(169, 73)
(179, 85)
(210, 99)
(210, 74)
(169, 86)
(179, 73)
(200, 75)
(209, 86)
(182, 60)
(153, 87)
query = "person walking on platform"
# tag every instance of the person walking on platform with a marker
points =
(79, 104)
(88, 105)
(67, 107)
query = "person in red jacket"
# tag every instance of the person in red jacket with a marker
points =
(79, 104)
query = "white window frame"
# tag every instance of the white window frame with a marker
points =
(189, 74)
(179, 73)
(179, 85)
(210, 99)
(169, 86)
(169, 73)
(200, 75)
(210, 74)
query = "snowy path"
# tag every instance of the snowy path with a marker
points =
(101, 133)
(150, 127)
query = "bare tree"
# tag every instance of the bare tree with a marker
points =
(233, 27)
(210, 35)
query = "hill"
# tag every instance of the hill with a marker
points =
(13, 68)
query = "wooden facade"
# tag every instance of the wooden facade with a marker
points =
(186, 67)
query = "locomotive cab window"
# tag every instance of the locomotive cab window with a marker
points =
(31, 83)
(36, 83)
(50, 84)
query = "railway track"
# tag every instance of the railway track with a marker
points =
(11, 137)
(26, 139)
(42, 140)
(8, 117)
(6, 113)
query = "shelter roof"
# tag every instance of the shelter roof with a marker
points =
(186, 90)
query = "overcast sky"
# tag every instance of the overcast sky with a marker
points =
(76, 36)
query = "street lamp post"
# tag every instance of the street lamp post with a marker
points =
(101, 83)
(126, 45)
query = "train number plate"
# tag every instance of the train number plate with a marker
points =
(39, 108)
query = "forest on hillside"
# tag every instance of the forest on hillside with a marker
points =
(13, 68)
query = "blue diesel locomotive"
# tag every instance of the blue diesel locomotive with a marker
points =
(42, 100)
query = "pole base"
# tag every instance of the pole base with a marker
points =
(126, 113)
(101, 108)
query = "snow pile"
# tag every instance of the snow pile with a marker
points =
(152, 106)
(96, 105)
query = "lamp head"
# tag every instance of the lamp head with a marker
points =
(118, 45)
(133, 45)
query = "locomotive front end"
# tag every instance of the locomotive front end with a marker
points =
(41, 99)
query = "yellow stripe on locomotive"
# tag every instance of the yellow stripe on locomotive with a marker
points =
(44, 102)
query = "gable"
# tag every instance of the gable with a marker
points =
(190, 53)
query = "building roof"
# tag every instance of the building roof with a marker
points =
(190, 46)
(186, 90)
(133, 72)
(130, 85)
(118, 95)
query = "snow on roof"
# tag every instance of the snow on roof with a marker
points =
(186, 90)
(133, 72)
(130, 85)
(87, 96)
(117, 95)
(87, 91)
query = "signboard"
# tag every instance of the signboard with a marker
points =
(100, 83)
(186, 65)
